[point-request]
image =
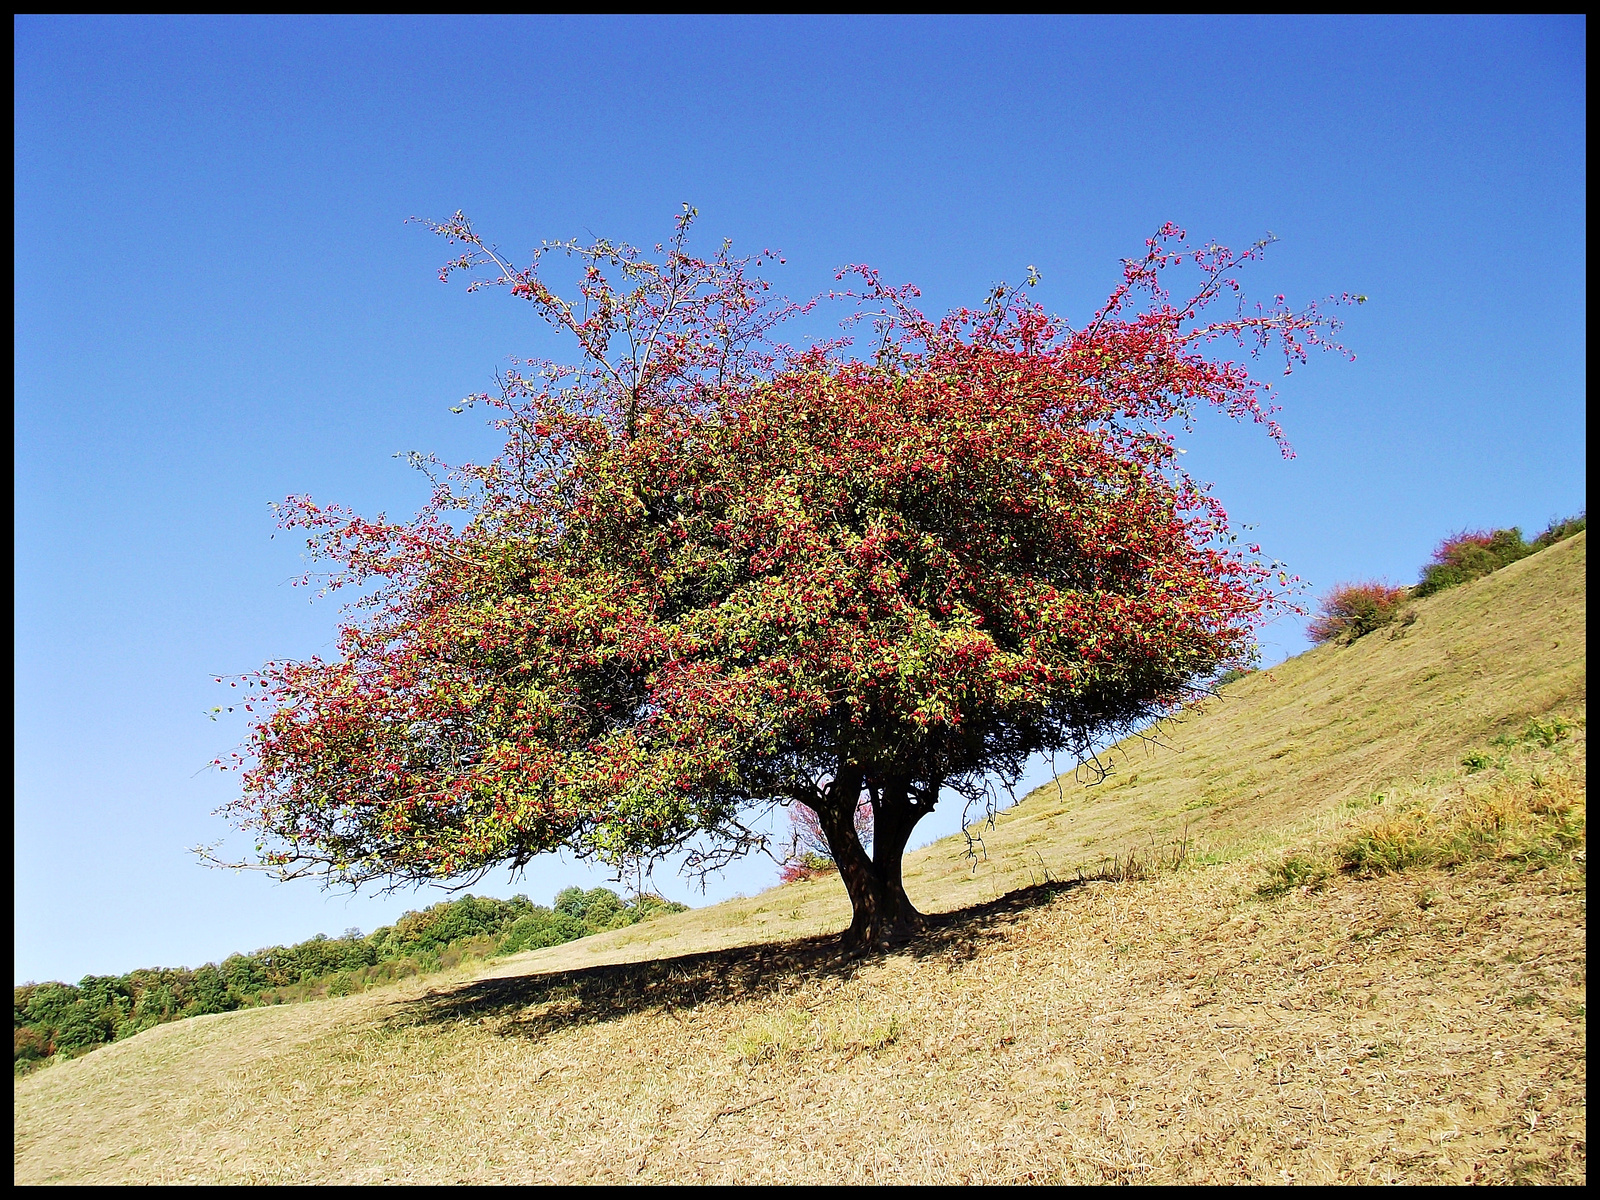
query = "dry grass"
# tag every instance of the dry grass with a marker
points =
(1226, 1021)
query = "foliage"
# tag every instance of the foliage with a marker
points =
(1463, 557)
(1352, 610)
(710, 574)
(1468, 555)
(1561, 528)
(1547, 732)
(57, 1018)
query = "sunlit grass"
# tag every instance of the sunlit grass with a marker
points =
(1304, 940)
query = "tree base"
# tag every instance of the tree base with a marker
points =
(881, 931)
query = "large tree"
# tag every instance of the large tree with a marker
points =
(709, 574)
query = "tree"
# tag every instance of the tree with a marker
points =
(709, 574)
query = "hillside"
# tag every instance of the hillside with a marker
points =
(1252, 1013)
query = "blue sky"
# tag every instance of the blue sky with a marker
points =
(218, 303)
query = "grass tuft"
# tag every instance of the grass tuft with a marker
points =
(1537, 821)
(792, 1033)
(1294, 872)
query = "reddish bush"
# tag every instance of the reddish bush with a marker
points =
(1350, 610)
(809, 855)
(1458, 546)
(807, 866)
(29, 1044)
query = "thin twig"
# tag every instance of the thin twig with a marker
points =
(728, 1112)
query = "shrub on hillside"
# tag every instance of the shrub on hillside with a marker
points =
(1352, 610)
(647, 906)
(1471, 554)
(805, 866)
(29, 1046)
(598, 909)
(578, 913)
(1560, 529)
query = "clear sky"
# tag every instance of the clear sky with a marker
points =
(218, 303)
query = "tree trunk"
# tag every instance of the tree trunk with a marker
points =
(882, 913)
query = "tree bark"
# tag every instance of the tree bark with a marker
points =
(882, 913)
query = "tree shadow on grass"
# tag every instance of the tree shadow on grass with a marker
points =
(532, 1006)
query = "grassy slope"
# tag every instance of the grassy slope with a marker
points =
(1426, 1026)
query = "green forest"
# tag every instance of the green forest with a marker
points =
(51, 1019)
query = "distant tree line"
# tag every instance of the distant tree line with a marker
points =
(59, 1019)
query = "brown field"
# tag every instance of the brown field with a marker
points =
(1239, 1005)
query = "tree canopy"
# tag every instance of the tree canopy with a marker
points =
(710, 573)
